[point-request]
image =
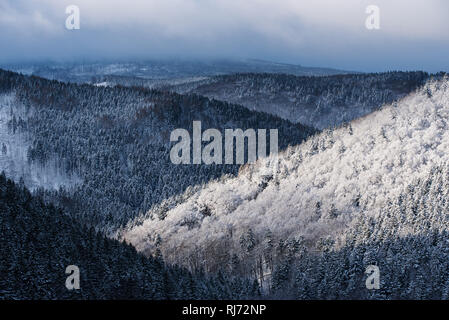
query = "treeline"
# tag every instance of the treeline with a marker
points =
(320, 102)
(408, 242)
(39, 241)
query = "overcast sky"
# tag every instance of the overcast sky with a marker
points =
(414, 34)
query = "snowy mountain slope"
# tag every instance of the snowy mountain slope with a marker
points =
(315, 194)
(14, 146)
(407, 240)
(39, 241)
(117, 140)
(320, 102)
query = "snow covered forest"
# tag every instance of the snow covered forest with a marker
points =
(116, 141)
(362, 179)
(38, 241)
(320, 102)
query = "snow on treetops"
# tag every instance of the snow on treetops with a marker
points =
(320, 187)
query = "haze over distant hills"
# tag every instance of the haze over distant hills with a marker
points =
(160, 69)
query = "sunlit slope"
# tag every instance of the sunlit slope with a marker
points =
(317, 191)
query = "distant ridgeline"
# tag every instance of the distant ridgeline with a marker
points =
(117, 140)
(320, 102)
(38, 242)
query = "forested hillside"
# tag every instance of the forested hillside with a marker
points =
(320, 102)
(373, 191)
(116, 142)
(39, 241)
(407, 238)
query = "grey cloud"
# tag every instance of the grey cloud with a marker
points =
(321, 33)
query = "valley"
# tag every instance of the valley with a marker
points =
(373, 179)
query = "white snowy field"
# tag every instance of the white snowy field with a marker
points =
(319, 188)
(14, 149)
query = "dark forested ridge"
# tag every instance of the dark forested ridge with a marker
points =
(117, 141)
(39, 241)
(320, 102)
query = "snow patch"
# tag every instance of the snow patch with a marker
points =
(14, 146)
